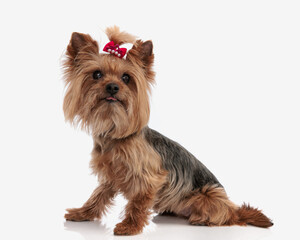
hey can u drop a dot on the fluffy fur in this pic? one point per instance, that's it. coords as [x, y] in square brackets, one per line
[150, 170]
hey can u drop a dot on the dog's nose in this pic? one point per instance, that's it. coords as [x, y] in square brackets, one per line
[112, 88]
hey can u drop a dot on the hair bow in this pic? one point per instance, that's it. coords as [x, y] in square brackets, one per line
[114, 49]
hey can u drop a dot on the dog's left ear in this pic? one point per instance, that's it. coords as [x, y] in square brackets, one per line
[142, 54]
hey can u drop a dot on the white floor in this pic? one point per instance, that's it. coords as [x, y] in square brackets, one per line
[167, 227]
[48, 223]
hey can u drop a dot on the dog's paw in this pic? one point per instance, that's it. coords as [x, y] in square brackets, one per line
[79, 215]
[127, 228]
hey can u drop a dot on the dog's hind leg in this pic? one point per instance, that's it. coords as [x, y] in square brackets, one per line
[95, 206]
[211, 207]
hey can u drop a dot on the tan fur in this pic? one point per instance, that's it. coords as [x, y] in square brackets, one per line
[253, 216]
[122, 158]
[82, 106]
[114, 34]
[96, 206]
[135, 169]
[212, 207]
[131, 165]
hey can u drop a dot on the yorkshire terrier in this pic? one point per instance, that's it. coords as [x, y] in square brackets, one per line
[107, 94]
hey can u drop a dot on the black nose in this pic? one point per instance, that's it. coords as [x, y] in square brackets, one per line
[112, 88]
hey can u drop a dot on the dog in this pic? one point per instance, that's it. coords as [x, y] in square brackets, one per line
[108, 96]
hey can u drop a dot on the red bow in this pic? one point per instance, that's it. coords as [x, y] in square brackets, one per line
[114, 49]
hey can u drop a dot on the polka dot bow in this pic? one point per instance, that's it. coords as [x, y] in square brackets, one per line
[114, 49]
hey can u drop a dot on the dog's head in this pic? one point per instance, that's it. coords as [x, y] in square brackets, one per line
[106, 94]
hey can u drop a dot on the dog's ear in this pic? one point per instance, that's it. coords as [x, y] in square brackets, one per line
[81, 43]
[142, 54]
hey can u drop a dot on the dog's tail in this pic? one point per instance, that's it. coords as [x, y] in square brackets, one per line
[252, 216]
[247, 215]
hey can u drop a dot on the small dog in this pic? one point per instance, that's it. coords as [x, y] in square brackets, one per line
[108, 96]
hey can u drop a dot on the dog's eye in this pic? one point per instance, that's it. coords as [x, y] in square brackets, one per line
[97, 75]
[126, 78]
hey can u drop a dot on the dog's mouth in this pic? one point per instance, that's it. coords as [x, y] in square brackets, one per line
[111, 99]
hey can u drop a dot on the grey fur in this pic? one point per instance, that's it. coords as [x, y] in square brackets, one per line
[186, 172]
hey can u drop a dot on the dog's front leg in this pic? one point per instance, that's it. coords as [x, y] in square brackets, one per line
[136, 215]
[95, 206]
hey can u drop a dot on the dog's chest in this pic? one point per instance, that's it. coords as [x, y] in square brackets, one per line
[131, 166]
[128, 177]
[124, 176]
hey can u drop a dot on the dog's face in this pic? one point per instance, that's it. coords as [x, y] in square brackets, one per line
[107, 95]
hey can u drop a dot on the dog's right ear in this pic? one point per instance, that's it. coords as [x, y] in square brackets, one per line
[81, 43]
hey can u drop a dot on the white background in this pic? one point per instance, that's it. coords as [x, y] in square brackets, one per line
[228, 85]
